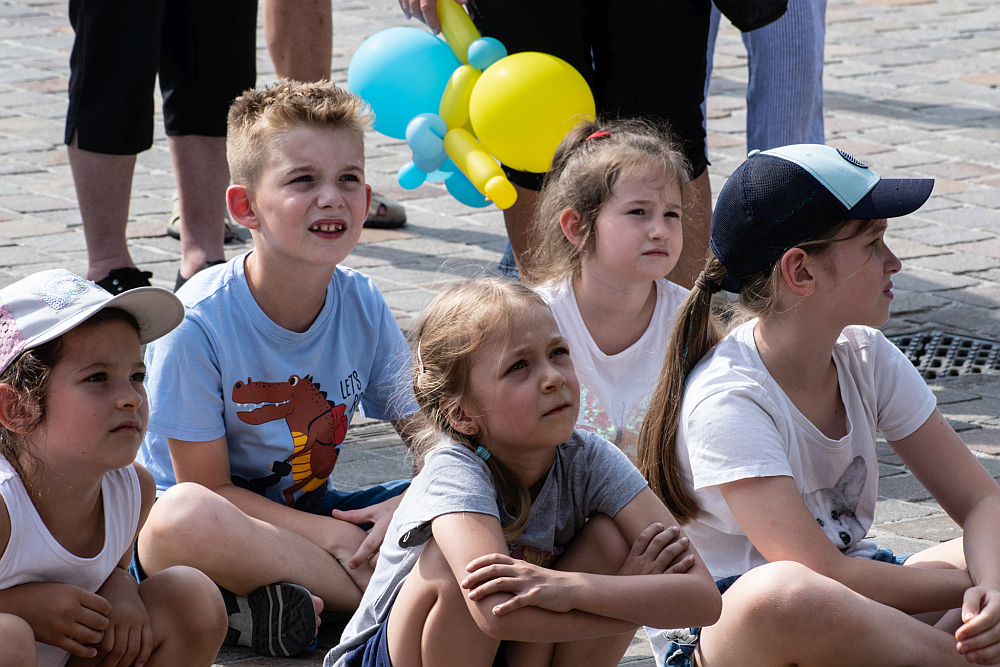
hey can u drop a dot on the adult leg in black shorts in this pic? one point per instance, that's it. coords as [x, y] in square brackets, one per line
[204, 53]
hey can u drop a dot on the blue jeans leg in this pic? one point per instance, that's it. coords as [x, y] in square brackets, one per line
[785, 90]
[507, 266]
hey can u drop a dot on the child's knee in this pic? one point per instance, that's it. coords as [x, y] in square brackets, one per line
[787, 598]
[183, 602]
[17, 646]
[600, 548]
[186, 517]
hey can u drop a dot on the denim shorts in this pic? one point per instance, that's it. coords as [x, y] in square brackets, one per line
[681, 647]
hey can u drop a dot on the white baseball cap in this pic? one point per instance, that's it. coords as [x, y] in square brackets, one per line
[47, 304]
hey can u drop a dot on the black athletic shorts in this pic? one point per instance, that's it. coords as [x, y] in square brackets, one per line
[641, 59]
[203, 50]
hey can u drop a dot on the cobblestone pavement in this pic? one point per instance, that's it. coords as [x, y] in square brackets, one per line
[911, 88]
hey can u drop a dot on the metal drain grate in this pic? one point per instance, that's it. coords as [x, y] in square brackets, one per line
[937, 354]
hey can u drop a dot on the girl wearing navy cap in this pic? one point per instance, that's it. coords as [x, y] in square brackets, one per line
[771, 454]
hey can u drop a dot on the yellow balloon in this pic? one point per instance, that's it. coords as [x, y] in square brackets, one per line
[457, 28]
[481, 169]
[454, 109]
[525, 104]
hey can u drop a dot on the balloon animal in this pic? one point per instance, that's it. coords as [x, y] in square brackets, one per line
[464, 105]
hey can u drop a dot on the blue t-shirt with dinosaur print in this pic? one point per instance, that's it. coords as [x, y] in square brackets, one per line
[282, 399]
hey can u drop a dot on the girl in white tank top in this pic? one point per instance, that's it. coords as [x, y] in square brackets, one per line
[72, 415]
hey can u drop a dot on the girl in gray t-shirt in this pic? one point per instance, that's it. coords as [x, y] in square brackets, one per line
[517, 528]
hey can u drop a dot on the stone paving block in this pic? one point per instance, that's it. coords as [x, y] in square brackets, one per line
[983, 440]
[902, 487]
[963, 215]
[889, 512]
[911, 302]
[980, 196]
[916, 279]
[959, 262]
[965, 148]
[985, 296]
[958, 170]
[942, 235]
[885, 454]
[898, 544]
[934, 528]
[991, 463]
[67, 241]
[906, 249]
[982, 410]
[945, 394]
[894, 136]
[25, 226]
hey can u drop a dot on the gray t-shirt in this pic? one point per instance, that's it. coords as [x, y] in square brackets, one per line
[589, 475]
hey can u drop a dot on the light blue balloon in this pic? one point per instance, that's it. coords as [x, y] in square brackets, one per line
[485, 51]
[443, 172]
[400, 73]
[429, 164]
[462, 189]
[425, 134]
[410, 177]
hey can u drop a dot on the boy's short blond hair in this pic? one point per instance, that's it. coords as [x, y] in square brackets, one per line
[259, 115]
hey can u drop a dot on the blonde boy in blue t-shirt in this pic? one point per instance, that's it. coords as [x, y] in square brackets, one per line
[251, 396]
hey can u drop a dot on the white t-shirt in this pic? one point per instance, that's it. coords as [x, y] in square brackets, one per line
[737, 423]
[615, 389]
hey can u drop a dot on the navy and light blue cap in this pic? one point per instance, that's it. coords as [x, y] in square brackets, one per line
[785, 196]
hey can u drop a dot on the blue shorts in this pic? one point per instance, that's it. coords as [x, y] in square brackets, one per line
[374, 652]
[333, 499]
[679, 651]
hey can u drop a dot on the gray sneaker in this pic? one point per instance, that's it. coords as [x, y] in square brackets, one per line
[276, 620]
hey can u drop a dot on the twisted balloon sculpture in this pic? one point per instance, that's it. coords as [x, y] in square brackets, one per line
[465, 104]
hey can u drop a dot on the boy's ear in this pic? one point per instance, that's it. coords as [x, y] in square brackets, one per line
[240, 204]
[368, 206]
[16, 414]
[797, 268]
[571, 223]
[457, 417]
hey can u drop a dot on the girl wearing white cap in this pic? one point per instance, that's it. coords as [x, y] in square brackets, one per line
[72, 415]
[771, 454]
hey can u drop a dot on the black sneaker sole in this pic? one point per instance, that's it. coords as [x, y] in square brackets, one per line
[277, 620]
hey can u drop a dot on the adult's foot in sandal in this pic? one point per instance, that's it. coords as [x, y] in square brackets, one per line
[385, 213]
[124, 279]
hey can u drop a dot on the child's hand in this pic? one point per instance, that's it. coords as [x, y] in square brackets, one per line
[979, 636]
[531, 585]
[379, 516]
[63, 615]
[658, 551]
[129, 638]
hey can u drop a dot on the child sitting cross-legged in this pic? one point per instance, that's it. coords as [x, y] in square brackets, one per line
[521, 541]
[253, 393]
[73, 411]
[762, 441]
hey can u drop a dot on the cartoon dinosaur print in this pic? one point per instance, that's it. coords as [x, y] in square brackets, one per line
[318, 427]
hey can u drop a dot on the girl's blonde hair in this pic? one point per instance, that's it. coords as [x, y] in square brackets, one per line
[696, 331]
[28, 376]
[446, 338]
[585, 169]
